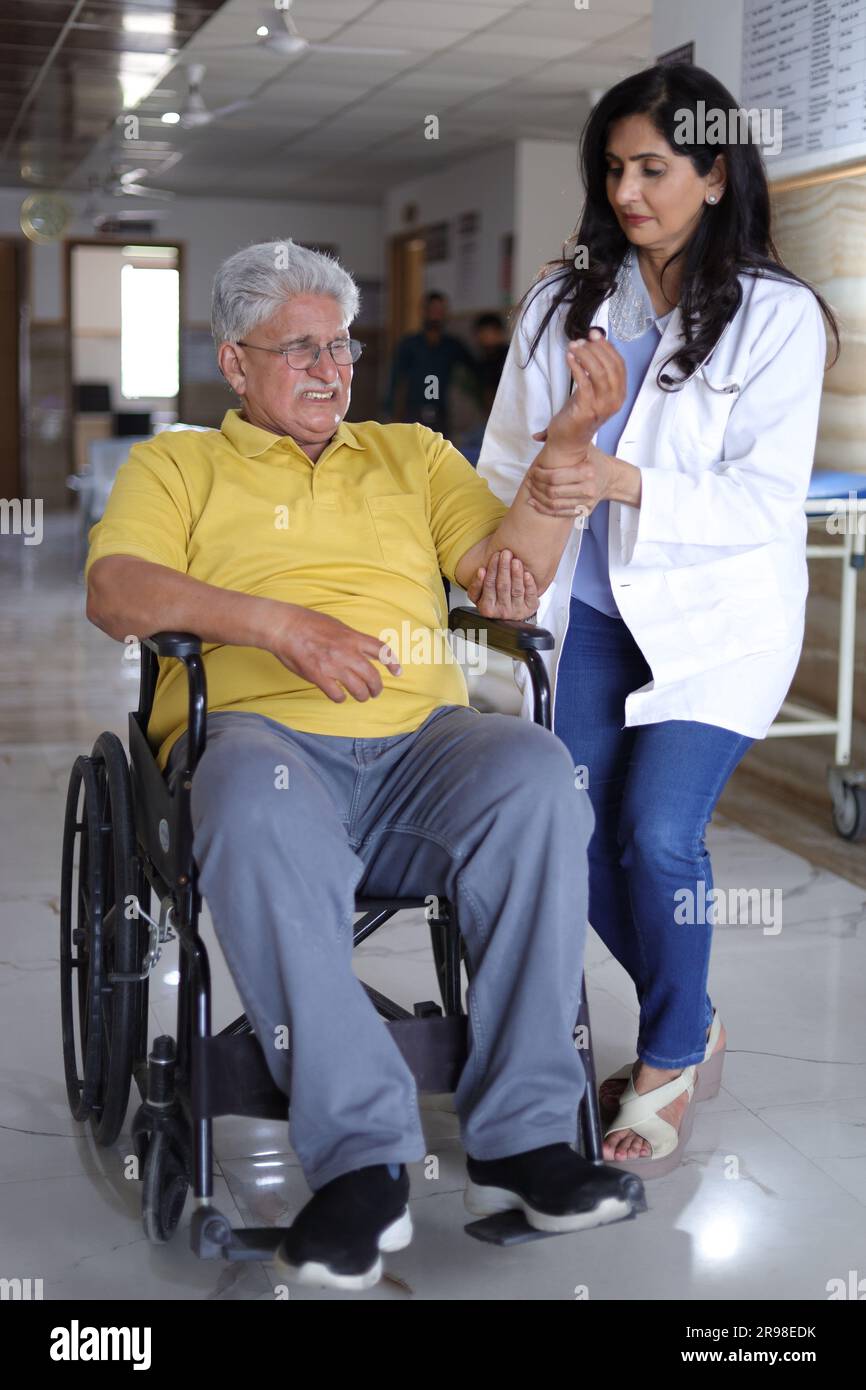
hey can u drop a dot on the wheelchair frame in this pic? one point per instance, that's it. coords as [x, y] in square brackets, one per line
[134, 836]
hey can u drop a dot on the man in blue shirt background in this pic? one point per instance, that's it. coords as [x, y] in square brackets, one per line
[431, 353]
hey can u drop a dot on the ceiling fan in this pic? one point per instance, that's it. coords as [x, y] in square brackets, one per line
[127, 183]
[195, 112]
[276, 32]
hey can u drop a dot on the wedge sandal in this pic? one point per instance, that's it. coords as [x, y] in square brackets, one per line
[640, 1113]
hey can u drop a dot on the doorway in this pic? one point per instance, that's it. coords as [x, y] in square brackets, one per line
[124, 308]
[408, 259]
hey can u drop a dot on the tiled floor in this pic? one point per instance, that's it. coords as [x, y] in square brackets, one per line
[771, 1202]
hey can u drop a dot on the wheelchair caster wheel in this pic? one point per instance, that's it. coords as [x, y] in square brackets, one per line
[99, 939]
[211, 1235]
[849, 810]
[166, 1183]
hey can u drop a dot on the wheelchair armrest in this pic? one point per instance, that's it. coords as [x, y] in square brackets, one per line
[505, 635]
[178, 644]
[185, 647]
[521, 641]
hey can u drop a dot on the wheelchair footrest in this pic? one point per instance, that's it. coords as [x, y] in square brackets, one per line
[212, 1237]
[255, 1243]
[505, 1228]
[512, 1227]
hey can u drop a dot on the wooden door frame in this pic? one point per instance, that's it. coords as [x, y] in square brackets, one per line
[395, 330]
[20, 246]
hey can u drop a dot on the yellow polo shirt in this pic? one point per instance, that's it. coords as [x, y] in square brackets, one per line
[362, 535]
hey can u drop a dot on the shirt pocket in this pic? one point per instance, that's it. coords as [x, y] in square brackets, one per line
[732, 607]
[405, 539]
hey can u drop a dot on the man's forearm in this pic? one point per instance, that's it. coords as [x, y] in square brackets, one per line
[535, 539]
[130, 597]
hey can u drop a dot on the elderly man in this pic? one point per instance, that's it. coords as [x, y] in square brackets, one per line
[289, 541]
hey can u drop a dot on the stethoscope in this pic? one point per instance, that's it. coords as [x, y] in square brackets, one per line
[731, 389]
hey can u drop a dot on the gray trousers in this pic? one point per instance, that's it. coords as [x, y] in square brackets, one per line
[480, 809]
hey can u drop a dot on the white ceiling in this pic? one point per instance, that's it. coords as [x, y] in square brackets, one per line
[341, 127]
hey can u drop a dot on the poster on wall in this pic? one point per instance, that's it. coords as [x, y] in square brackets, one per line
[506, 270]
[684, 53]
[806, 60]
[467, 250]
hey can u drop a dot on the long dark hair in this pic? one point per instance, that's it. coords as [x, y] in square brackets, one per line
[732, 237]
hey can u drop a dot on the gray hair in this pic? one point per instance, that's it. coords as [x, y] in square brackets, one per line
[254, 283]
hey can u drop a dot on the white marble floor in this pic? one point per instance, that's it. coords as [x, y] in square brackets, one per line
[771, 1202]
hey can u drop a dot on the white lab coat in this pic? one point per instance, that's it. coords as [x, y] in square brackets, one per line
[709, 572]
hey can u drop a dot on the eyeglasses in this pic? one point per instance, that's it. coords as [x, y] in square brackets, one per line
[306, 355]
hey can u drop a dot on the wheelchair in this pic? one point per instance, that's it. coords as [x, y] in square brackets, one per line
[128, 838]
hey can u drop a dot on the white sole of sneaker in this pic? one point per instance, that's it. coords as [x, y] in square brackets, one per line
[395, 1237]
[490, 1201]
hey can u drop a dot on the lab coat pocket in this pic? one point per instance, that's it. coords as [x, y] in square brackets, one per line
[698, 428]
[731, 606]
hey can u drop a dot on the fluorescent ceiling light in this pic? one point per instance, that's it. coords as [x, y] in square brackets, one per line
[148, 23]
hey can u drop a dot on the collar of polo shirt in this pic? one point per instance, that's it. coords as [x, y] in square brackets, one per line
[251, 441]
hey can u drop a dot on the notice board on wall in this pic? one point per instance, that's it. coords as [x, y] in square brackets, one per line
[807, 59]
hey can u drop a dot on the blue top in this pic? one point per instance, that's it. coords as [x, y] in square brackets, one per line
[591, 583]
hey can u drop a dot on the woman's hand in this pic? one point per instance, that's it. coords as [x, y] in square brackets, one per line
[574, 489]
[504, 588]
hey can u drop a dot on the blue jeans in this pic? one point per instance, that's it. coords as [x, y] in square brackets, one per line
[653, 788]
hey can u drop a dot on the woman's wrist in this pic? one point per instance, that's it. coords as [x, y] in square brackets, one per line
[625, 483]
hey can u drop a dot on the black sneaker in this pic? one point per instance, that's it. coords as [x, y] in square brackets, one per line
[335, 1241]
[554, 1187]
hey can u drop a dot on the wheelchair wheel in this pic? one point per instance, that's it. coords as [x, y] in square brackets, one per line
[81, 897]
[95, 898]
[166, 1183]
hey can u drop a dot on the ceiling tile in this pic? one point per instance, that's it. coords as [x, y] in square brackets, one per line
[414, 37]
[524, 45]
[445, 13]
[633, 8]
[583, 26]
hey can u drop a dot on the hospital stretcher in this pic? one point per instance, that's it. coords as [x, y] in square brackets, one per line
[839, 499]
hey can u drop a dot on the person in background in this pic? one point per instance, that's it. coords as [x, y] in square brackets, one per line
[422, 369]
[491, 343]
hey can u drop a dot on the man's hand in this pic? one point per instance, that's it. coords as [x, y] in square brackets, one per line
[328, 653]
[504, 588]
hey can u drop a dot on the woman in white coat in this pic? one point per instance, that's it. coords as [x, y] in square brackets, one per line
[678, 604]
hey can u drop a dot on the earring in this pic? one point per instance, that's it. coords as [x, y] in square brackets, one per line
[712, 198]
